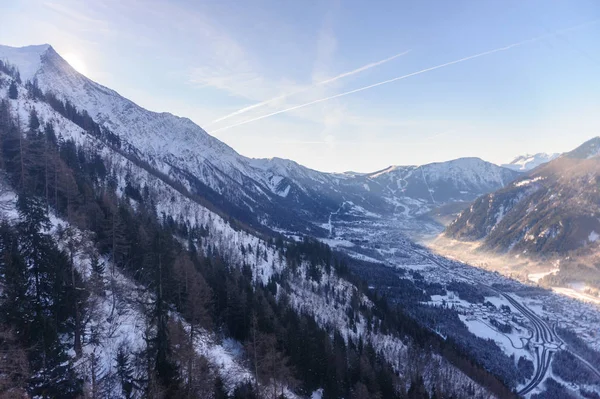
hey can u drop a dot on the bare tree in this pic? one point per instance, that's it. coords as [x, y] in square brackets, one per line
[270, 366]
[194, 296]
[196, 374]
[76, 245]
[99, 380]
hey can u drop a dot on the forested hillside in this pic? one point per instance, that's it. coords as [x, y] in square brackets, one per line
[551, 214]
[116, 282]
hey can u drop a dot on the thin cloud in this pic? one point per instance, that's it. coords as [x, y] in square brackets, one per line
[471, 57]
[428, 139]
[302, 142]
[73, 14]
[323, 82]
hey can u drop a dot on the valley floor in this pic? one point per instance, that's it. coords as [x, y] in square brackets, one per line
[519, 317]
[525, 270]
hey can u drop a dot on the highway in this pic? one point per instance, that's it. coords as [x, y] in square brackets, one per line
[544, 340]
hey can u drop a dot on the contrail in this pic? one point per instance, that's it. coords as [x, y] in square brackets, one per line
[496, 50]
[323, 82]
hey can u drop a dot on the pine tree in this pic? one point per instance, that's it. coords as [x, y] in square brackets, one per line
[115, 232]
[125, 373]
[52, 303]
[74, 246]
[417, 389]
[97, 267]
[34, 121]
[359, 391]
[14, 296]
[33, 156]
[14, 148]
[220, 392]
[49, 139]
[13, 92]
[158, 259]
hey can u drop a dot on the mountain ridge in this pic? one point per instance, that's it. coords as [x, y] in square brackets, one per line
[276, 192]
[553, 209]
[46, 50]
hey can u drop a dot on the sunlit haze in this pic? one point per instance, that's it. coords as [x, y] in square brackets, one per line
[76, 62]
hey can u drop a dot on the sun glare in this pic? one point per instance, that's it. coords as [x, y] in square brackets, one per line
[76, 62]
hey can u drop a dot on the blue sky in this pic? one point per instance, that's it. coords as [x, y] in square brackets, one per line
[207, 60]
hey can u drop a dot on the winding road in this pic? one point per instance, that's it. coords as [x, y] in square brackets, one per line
[544, 340]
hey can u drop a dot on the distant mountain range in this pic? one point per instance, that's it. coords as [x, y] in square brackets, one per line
[553, 209]
[525, 163]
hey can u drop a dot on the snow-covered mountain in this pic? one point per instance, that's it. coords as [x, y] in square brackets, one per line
[192, 181]
[274, 192]
[525, 163]
[461, 179]
[324, 297]
[552, 209]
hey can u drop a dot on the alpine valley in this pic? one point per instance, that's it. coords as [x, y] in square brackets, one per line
[143, 258]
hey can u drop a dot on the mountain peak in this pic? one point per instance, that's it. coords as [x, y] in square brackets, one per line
[467, 161]
[27, 59]
[527, 162]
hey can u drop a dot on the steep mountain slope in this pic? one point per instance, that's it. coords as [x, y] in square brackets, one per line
[527, 162]
[92, 182]
[273, 192]
[552, 210]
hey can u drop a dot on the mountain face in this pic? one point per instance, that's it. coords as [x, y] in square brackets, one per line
[142, 282]
[527, 162]
[150, 285]
[462, 179]
[273, 192]
[553, 209]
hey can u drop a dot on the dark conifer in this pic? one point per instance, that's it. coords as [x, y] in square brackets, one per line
[13, 92]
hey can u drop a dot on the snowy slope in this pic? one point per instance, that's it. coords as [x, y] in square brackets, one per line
[228, 241]
[525, 163]
[117, 317]
[552, 209]
[26, 59]
[442, 182]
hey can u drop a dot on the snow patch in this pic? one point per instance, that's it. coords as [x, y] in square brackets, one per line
[528, 181]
